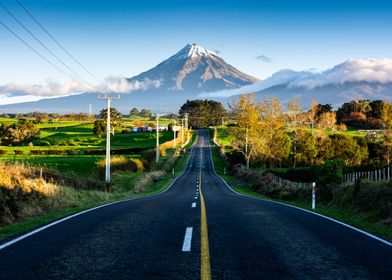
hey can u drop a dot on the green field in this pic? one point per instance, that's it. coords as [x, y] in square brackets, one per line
[78, 135]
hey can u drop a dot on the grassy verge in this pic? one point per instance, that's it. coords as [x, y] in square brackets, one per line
[344, 214]
[95, 198]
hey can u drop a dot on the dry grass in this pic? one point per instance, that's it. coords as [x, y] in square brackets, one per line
[18, 176]
[142, 183]
[121, 163]
[24, 195]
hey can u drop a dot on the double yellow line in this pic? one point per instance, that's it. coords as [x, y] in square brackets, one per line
[205, 270]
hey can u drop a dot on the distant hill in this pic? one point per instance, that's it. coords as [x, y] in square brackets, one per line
[352, 79]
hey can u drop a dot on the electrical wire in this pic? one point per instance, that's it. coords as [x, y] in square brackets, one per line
[31, 48]
[51, 36]
[78, 77]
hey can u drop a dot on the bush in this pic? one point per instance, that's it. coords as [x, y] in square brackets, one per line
[18, 152]
[72, 152]
[149, 156]
[372, 198]
[120, 163]
[341, 127]
[46, 152]
[53, 152]
[3, 152]
[94, 152]
[331, 172]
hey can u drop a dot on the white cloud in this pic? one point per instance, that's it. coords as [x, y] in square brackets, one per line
[121, 85]
[53, 88]
[50, 88]
[353, 70]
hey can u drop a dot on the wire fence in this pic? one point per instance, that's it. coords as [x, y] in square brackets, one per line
[382, 174]
[290, 184]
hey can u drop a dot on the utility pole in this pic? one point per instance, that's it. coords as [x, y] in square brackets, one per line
[182, 130]
[174, 136]
[186, 121]
[246, 149]
[157, 129]
[223, 121]
[90, 110]
[107, 159]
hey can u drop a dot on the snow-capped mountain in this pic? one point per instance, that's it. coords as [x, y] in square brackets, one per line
[194, 72]
[195, 69]
[163, 88]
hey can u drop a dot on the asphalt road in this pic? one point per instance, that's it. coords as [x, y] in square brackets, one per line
[163, 237]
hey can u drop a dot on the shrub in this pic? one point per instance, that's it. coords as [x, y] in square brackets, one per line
[3, 152]
[331, 172]
[94, 152]
[72, 152]
[52, 152]
[18, 152]
[140, 163]
[372, 198]
[46, 152]
[149, 156]
[341, 127]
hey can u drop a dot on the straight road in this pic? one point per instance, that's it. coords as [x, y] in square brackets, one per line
[198, 228]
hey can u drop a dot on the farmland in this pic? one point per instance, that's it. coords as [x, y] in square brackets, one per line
[71, 166]
[67, 145]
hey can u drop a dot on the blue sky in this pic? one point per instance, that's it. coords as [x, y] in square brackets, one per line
[127, 37]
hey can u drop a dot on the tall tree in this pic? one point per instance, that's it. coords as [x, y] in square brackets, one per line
[134, 112]
[273, 132]
[386, 117]
[246, 135]
[145, 113]
[293, 110]
[327, 120]
[304, 147]
[115, 118]
[99, 128]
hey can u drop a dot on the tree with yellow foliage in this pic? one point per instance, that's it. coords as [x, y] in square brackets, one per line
[246, 138]
[386, 117]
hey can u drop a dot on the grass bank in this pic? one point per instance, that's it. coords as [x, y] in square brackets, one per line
[345, 213]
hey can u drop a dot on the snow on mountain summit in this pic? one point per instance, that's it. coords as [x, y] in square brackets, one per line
[192, 50]
[195, 69]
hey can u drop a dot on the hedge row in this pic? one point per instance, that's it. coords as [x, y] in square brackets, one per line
[84, 152]
[330, 172]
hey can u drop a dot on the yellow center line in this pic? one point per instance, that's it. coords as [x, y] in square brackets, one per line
[205, 270]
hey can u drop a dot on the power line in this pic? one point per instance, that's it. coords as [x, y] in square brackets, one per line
[50, 35]
[31, 48]
[78, 77]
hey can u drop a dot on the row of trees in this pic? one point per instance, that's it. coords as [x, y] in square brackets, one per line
[266, 134]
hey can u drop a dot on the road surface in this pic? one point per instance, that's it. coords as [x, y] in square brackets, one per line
[198, 228]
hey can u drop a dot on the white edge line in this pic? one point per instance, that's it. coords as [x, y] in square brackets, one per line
[13, 241]
[186, 245]
[305, 210]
